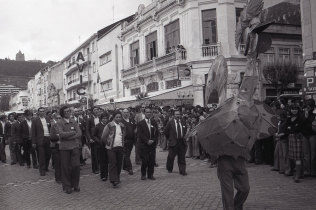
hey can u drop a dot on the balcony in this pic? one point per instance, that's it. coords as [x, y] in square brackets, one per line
[210, 50]
[76, 82]
[73, 65]
[173, 58]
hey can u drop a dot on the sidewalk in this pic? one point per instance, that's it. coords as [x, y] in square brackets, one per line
[22, 188]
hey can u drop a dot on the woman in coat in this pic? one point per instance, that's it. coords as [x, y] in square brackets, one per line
[113, 137]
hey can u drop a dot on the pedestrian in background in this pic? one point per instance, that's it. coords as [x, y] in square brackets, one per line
[40, 131]
[16, 138]
[101, 150]
[7, 131]
[55, 141]
[113, 136]
[69, 134]
[3, 157]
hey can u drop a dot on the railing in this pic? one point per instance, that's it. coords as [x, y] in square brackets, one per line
[242, 48]
[153, 65]
[210, 50]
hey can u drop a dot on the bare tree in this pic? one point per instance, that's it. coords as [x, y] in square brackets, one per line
[280, 75]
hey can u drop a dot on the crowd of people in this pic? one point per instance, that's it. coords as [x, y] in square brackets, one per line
[64, 135]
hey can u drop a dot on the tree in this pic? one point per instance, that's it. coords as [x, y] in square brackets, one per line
[4, 103]
[280, 75]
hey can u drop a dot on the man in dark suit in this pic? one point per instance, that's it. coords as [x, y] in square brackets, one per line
[130, 139]
[40, 132]
[27, 140]
[90, 126]
[3, 156]
[175, 131]
[147, 132]
[16, 138]
[139, 117]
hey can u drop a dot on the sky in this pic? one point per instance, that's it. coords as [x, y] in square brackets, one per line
[50, 29]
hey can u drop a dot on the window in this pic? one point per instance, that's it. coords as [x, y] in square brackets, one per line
[92, 46]
[284, 55]
[74, 95]
[209, 26]
[93, 67]
[135, 91]
[238, 12]
[105, 58]
[269, 56]
[151, 87]
[173, 83]
[88, 51]
[107, 85]
[298, 57]
[73, 60]
[94, 87]
[172, 35]
[151, 46]
[134, 53]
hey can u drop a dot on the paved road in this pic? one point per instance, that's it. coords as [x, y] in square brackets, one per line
[22, 188]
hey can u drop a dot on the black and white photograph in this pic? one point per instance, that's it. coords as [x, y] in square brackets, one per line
[158, 104]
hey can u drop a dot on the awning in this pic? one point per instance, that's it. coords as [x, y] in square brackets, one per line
[169, 97]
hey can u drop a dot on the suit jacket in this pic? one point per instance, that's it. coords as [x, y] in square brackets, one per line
[25, 132]
[109, 132]
[37, 131]
[7, 130]
[171, 132]
[90, 126]
[144, 135]
[130, 131]
[2, 133]
[97, 133]
[138, 117]
[16, 132]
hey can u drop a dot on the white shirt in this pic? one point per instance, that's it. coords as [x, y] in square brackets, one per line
[3, 123]
[118, 136]
[96, 120]
[149, 126]
[180, 134]
[44, 123]
[29, 123]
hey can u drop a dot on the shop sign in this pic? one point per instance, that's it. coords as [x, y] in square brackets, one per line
[184, 73]
[310, 85]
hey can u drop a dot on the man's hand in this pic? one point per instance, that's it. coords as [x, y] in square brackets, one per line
[150, 142]
[34, 146]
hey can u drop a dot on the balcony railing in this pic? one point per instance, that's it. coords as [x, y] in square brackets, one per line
[172, 58]
[72, 66]
[76, 82]
[210, 50]
[242, 48]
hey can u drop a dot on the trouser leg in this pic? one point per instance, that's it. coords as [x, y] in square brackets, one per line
[307, 155]
[18, 152]
[103, 159]
[181, 158]
[313, 155]
[144, 155]
[34, 154]
[119, 161]
[26, 154]
[276, 154]
[225, 176]
[57, 163]
[282, 156]
[47, 152]
[94, 159]
[137, 153]
[65, 160]
[172, 152]
[3, 156]
[241, 183]
[75, 167]
[12, 146]
[151, 163]
[112, 165]
[127, 164]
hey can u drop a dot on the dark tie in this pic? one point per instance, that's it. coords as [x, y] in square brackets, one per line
[179, 130]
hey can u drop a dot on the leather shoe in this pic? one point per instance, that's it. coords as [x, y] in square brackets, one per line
[152, 178]
[68, 191]
[77, 189]
[130, 172]
[35, 166]
[143, 178]
[42, 173]
[169, 171]
[104, 179]
[184, 173]
[156, 165]
[115, 184]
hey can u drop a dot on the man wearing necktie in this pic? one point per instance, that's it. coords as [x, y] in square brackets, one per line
[175, 131]
[147, 132]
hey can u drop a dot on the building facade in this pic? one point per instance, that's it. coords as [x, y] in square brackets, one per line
[55, 93]
[20, 101]
[172, 44]
[107, 84]
[308, 18]
[78, 68]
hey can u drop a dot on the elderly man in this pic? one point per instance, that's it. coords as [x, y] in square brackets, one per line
[130, 139]
[69, 134]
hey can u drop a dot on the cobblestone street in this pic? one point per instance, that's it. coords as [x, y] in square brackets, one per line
[22, 188]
